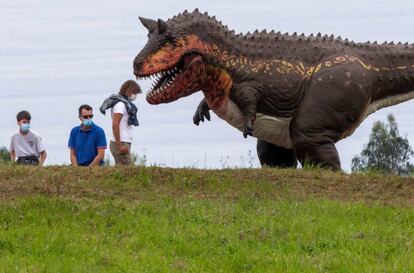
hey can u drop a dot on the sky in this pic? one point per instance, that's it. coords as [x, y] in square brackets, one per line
[57, 55]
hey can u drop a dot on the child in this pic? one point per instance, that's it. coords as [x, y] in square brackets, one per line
[26, 145]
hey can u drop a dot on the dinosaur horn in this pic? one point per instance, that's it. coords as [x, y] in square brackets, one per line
[148, 23]
[162, 26]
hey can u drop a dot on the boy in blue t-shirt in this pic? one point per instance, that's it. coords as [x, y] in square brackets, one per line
[87, 142]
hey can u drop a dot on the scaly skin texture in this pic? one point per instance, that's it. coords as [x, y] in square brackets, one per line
[311, 91]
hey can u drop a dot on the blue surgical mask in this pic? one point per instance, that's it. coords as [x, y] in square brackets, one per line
[87, 122]
[25, 127]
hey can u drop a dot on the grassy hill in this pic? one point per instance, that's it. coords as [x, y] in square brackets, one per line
[148, 219]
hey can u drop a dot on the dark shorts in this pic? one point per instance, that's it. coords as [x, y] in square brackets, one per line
[28, 160]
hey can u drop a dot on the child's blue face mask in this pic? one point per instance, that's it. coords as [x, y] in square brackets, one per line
[87, 122]
[25, 127]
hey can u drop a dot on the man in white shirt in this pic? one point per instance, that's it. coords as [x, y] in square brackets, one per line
[122, 129]
[26, 147]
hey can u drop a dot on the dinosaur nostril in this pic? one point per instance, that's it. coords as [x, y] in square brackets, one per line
[138, 64]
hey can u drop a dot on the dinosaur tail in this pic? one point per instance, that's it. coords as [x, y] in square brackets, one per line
[394, 67]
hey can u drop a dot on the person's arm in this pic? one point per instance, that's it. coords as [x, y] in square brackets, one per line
[98, 158]
[13, 156]
[116, 120]
[72, 145]
[42, 158]
[12, 152]
[73, 159]
[40, 147]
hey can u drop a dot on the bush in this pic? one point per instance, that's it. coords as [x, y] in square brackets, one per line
[386, 152]
[4, 155]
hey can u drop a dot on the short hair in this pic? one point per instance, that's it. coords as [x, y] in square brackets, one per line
[86, 107]
[128, 85]
[23, 115]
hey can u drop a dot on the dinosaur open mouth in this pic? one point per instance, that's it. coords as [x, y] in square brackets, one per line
[172, 83]
[164, 79]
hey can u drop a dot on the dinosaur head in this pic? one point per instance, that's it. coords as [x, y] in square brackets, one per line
[174, 59]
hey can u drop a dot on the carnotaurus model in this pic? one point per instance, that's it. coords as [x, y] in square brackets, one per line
[297, 94]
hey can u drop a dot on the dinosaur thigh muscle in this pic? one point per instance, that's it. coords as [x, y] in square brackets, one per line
[274, 130]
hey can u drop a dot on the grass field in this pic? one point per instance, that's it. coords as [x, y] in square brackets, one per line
[60, 219]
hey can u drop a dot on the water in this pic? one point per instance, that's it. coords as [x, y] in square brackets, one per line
[56, 55]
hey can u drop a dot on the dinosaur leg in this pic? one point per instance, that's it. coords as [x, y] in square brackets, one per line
[274, 156]
[333, 105]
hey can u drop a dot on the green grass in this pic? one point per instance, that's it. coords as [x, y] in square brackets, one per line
[61, 219]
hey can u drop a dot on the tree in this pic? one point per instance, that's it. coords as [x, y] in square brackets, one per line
[4, 155]
[386, 151]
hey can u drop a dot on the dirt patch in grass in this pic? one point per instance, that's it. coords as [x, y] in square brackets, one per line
[145, 183]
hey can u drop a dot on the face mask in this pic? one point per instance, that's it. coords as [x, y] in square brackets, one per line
[133, 97]
[25, 127]
[87, 122]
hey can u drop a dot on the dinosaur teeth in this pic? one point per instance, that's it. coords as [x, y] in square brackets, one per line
[162, 80]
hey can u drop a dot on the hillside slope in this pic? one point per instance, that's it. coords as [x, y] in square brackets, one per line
[62, 219]
[137, 182]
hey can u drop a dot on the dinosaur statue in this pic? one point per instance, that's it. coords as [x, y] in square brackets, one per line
[298, 95]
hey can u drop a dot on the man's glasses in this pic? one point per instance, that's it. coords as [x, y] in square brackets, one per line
[87, 116]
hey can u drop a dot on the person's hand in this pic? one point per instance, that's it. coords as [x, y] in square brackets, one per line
[123, 149]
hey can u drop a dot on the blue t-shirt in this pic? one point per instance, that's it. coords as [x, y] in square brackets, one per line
[87, 143]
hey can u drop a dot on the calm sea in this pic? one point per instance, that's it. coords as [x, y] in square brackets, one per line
[56, 55]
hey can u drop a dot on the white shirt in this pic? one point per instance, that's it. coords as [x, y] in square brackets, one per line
[26, 145]
[125, 130]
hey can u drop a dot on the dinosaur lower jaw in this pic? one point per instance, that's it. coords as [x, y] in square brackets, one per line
[182, 80]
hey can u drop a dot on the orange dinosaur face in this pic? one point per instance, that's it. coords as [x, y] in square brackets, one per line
[175, 63]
